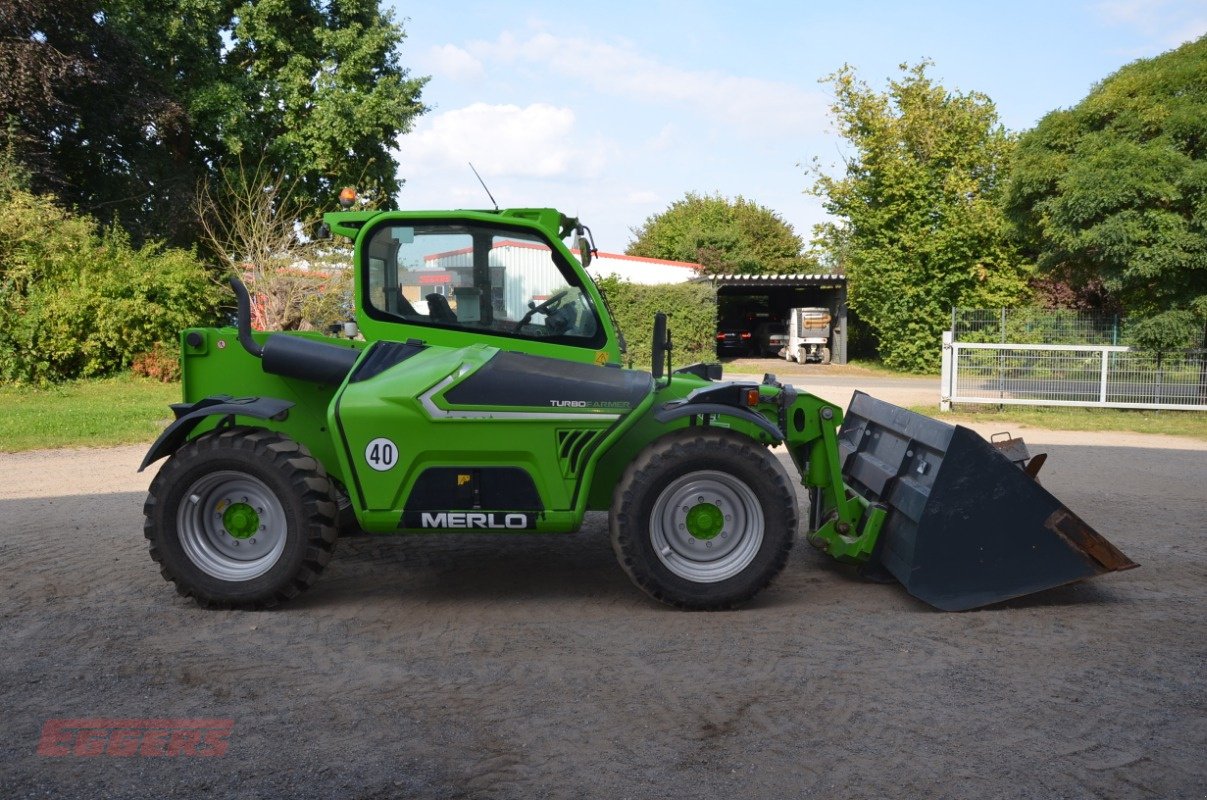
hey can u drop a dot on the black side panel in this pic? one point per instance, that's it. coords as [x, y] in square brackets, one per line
[189, 416]
[382, 356]
[468, 488]
[708, 372]
[518, 379]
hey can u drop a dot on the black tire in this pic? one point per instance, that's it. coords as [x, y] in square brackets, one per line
[670, 564]
[281, 494]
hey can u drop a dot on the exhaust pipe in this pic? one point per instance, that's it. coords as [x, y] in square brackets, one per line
[292, 356]
[243, 318]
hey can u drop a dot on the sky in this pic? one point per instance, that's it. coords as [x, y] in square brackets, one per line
[612, 111]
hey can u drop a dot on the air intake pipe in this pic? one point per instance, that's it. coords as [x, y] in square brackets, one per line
[292, 356]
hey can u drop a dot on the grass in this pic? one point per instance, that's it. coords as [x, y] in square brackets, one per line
[87, 413]
[878, 367]
[1172, 423]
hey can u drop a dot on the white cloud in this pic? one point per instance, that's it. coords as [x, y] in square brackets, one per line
[1189, 31]
[1164, 24]
[665, 139]
[752, 105]
[1131, 12]
[504, 140]
[450, 61]
[641, 198]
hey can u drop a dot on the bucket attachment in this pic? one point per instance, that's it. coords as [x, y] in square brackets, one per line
[966, 526]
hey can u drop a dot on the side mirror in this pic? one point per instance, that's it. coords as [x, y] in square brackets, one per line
[658, 362]
[582, 245]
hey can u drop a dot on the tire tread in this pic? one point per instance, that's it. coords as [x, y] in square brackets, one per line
[673, 449]
[306, 478]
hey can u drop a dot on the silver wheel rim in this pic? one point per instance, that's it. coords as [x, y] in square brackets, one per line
[206, 539]
[721, 556]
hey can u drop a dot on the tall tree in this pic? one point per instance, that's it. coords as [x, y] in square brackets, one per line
[136, 101]
[720, 235]
[74, 98]
[1113, 193]
[919, 223]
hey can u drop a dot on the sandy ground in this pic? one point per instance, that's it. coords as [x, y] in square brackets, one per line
[528, 667]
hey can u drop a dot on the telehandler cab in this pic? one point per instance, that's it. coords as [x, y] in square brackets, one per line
[488, 395]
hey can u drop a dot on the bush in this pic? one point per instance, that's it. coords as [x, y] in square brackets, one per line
[690, 308]
[78, 301]
[160, 363]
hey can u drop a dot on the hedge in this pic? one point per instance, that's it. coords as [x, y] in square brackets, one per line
[690, 308]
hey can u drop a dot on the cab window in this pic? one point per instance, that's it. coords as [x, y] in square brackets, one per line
[476, 278]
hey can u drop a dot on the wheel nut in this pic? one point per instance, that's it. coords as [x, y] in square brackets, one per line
[251, 541]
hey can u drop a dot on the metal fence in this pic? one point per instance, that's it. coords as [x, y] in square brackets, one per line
[1107, 376]
[1037, 326]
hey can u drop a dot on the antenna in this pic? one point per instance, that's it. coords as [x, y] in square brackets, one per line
[488, 194]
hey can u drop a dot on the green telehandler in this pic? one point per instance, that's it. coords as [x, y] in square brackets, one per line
[486, 393]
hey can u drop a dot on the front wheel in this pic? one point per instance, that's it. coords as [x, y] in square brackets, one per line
[703, 520]
[243, 517]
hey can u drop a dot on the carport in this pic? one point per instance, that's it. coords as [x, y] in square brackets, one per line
[745, 294]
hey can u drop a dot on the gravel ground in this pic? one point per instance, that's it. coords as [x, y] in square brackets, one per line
[528, 667]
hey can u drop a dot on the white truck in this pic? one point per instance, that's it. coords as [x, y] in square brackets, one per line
[808, 335]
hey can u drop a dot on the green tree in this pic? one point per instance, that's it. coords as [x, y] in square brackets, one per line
[720, 235]
[919, 225]
[124, 106]
[1113, 193]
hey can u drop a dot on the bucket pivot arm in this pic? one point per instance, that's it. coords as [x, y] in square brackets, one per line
[842, 523]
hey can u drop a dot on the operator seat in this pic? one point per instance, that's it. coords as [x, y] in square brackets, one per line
[439, 309]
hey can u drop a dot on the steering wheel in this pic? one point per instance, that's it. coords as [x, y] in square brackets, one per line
[541, 309]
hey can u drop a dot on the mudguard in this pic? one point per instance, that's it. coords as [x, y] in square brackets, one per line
[688, 409]
[189, 415]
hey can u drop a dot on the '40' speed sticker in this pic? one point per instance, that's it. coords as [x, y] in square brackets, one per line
[381, 454]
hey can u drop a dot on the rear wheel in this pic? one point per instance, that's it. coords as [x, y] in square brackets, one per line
[243, 517]
[703, 520]
[825, 355]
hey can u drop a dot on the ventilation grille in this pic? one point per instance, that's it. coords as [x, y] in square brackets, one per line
[572, 449]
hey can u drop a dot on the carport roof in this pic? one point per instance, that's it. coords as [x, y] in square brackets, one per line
[796, 279]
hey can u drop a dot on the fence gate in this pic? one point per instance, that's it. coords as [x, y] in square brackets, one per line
[1107, 376]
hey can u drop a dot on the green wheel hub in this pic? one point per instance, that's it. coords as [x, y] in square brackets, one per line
[241, 520]
[705, 521]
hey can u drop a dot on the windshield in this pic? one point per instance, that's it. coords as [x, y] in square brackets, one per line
[475, 276]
